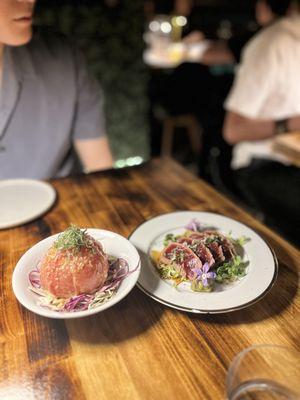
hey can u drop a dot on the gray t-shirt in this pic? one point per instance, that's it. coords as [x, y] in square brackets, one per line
[47, 100]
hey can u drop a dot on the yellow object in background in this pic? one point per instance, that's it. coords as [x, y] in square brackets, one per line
[175, 52]
[178, 22]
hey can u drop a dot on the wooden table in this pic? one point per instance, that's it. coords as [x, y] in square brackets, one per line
[139, 349]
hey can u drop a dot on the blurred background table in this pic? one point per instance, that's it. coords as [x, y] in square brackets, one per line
[288, 144]
[139, 349]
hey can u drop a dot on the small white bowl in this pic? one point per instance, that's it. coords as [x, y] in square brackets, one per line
[114, 244]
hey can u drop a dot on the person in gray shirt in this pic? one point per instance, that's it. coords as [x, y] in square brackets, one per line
[49, 104]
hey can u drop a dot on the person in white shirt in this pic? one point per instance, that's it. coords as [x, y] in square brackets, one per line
[264, 101]
[267, 86]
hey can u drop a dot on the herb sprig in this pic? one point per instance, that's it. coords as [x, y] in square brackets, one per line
[73, 238]
[240, 241]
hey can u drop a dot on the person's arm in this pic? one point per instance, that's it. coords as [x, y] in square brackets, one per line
[89, 130]
[94, 154]
[238, 128]
[218, 53]
[208, 52]
[193, 37]
[252, 88]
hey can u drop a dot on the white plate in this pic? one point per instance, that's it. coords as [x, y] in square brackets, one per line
[22, 200]
[261, 271]
[114, 244]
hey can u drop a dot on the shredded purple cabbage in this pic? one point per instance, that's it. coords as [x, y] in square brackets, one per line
[118, 271]
[34, 278]
[78, 303]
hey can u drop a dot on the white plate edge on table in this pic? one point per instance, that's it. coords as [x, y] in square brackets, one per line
[113, 243]
[151, 284]
[36, 209]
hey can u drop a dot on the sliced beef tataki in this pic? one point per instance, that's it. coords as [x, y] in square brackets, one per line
[182, 256]
[199, 249]
[220, 246]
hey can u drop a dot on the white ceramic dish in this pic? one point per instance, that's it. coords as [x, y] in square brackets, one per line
[114, 244]
[261, 272]
[23, 200]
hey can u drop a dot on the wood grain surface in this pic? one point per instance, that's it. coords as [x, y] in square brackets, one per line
[138, 349]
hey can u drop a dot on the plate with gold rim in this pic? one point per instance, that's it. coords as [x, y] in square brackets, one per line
[261, 274]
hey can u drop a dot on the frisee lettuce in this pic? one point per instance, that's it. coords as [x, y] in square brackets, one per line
[171, 272]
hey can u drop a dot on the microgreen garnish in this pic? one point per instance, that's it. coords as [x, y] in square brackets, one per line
[73, 238]
[210, 240]
[240, 241]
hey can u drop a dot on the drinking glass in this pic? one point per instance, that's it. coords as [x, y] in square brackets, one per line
[264, 372]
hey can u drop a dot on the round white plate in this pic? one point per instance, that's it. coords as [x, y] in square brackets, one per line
[261, 271]
[113, 244]
[22, 200]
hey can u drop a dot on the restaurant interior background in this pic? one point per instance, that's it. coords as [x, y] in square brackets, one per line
[111, 34]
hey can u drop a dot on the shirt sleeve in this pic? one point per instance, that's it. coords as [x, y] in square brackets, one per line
[89, 120]
[254, 80]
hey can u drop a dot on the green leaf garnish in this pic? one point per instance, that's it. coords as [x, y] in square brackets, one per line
[169, 238]
[210, 240]
[241, 241]
[232, 270]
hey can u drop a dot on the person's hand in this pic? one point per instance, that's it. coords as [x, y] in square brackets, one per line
[94, 154]
[193, 37]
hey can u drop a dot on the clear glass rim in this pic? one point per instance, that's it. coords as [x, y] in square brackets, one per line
[235, 363]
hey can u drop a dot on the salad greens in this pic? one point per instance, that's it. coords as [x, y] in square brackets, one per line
[171, 272]
[241, 241]
[232, 270]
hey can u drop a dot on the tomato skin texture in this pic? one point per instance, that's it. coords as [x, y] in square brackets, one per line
[70, 272]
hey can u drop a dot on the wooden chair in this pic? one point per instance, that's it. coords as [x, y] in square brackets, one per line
[192, 128]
